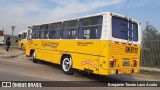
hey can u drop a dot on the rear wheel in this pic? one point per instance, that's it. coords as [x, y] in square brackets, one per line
[67, 65]
[34, 57]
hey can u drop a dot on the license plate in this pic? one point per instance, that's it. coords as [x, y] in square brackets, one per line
[126, 63]
[124, 71]
[131, 49]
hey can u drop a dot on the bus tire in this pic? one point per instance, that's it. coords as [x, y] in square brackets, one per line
[34, 57]
[67, 65]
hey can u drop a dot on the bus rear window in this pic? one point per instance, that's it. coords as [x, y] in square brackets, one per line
[1, 33]
[120, 28]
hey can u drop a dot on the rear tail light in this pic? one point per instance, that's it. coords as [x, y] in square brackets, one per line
[135, 62]
[112, 63]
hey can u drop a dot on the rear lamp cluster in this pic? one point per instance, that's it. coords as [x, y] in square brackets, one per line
[135, 62]
[112, 63]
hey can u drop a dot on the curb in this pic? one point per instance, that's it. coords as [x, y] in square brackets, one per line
[150, 69]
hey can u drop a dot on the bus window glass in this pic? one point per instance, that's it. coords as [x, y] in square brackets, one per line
[120, 28]
[135, 32]
[35, 34]
[70, 29]
[28, 36]
[55, 30]
[43, 35]
[24, 35]
[90, 28]
[52, 34]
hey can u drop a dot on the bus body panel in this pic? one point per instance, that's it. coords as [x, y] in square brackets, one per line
[123, 56]
[85, 53]
[22, 42]
[22, 39]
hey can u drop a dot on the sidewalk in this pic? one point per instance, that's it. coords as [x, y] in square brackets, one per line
[13, 53]
[150, 69]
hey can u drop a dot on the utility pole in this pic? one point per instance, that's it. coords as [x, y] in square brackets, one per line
[13, 28]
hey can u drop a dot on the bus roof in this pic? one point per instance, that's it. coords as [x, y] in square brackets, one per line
[104, 13]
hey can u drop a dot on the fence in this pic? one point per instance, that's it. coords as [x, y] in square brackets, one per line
[150, 53]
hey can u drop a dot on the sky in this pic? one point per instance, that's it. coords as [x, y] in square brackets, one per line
[24, 13]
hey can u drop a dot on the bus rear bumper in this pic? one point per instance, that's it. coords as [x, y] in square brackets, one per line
[118, 71]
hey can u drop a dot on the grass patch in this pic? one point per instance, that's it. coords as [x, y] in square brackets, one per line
[153, 73]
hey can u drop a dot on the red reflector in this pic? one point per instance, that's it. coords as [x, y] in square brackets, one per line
[129, 44]
[117, 42]
[123, 43]
[135, 45]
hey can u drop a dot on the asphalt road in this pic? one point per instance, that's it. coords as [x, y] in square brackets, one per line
[21, 68]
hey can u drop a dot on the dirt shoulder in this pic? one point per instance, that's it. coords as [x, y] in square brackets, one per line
[155, 74]
[14, 52]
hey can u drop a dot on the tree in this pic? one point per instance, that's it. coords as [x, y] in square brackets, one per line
[150, 32]
[150, 46]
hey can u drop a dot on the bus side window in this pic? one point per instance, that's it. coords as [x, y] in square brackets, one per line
[52, 34]
[43, 35]
[55, 30]
[34, 36]
[35, 33]
[70, 29]
[90, 28]
[28, 35]
[43, 31]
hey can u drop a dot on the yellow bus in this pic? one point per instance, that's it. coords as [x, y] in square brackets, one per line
[22, 39]
[104, 44]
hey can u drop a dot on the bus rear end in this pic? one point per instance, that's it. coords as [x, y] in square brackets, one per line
[1, 37]
[124, 47]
